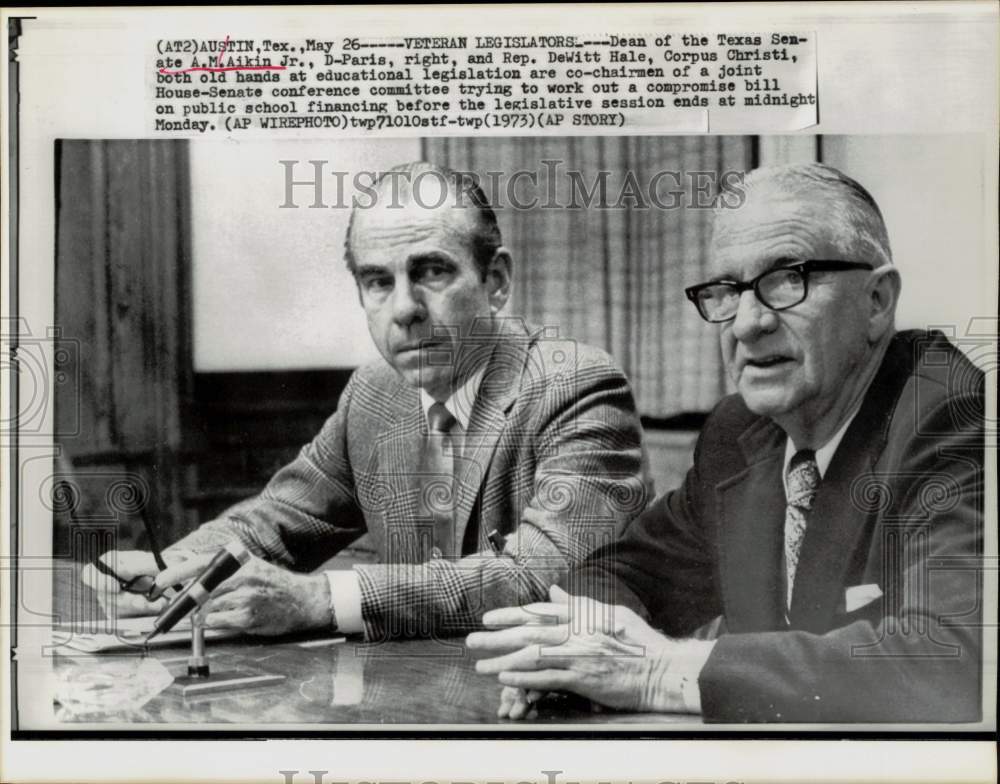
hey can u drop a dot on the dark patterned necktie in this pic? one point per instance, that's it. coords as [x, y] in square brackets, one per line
[801, 482]
[438, 485]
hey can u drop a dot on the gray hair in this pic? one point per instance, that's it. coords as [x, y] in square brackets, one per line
[853, 215]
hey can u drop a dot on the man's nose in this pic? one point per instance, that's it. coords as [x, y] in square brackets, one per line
[407, 304]
[753, 317]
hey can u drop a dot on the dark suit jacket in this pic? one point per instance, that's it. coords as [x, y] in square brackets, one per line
[900, 507]
[552, 461]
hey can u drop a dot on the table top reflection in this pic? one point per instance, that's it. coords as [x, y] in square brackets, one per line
[335, 681]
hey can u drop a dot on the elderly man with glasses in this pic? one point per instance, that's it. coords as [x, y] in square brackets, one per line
[822, 561]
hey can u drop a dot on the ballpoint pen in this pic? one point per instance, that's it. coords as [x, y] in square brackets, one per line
[496, 541]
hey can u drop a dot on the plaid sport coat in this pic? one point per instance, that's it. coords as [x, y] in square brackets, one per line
[552, 461]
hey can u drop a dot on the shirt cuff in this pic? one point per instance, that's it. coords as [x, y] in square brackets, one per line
[182, 554]
[345, 596]
[684, 669]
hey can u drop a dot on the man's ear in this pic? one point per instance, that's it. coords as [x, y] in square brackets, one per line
[498, 275]
[883, 296]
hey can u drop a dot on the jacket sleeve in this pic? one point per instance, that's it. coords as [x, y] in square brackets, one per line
[662, 567]
[918, 657]
[307, 512]
[589, 480]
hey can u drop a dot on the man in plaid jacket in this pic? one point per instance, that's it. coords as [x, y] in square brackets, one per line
[546, 445]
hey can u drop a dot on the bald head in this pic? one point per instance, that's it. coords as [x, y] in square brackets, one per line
[840, 211]
[425, 186]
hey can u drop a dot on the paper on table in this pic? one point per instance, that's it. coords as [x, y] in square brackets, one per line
[129, 635]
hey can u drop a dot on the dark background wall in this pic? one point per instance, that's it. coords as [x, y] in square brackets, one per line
[122, 306]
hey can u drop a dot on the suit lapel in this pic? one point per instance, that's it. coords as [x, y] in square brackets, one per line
[835, 524]
[399, 449]
[487, 423]
[751, 520]
[496, 395]
[752, 512]
[839, 518]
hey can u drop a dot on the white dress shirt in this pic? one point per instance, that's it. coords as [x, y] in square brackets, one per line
[823, 455]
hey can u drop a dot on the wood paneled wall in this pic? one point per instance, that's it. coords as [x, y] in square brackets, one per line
[122, 303]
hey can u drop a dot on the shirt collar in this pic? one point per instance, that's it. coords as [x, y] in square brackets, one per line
[459, 405]
[825, 453]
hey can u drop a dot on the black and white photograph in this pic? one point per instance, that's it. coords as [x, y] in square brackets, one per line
[673, 430]
[532, 452]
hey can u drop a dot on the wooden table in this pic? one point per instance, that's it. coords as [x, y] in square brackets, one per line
[413, 682]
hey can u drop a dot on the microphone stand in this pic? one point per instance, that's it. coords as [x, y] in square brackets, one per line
[198, 662]
[201, 680]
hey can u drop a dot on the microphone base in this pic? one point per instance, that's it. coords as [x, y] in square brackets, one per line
[198, 669]
[196, 686]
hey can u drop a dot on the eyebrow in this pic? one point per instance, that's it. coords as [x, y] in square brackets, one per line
[429, 257]
[412, 263]
[369, 269]
[781, 261]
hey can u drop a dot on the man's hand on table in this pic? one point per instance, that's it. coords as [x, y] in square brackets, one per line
[126, 564]
[260, 598]
[517, 703]
[621, 662]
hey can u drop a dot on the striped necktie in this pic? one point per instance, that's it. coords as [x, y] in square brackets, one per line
[801, 482]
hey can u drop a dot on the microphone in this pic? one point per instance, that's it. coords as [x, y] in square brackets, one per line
[223, 566]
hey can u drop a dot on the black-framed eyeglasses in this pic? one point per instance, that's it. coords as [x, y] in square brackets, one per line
[142, 584]
[779, 288]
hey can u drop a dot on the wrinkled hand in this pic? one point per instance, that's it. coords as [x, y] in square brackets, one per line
[614, 620]
[265, 599]
[180, 571]
[619, 662]
[517, 703]
[127, 564]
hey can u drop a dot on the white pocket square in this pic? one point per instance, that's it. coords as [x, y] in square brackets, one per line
[857, 596]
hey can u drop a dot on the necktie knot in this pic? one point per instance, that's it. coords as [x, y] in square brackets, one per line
[439, 419]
